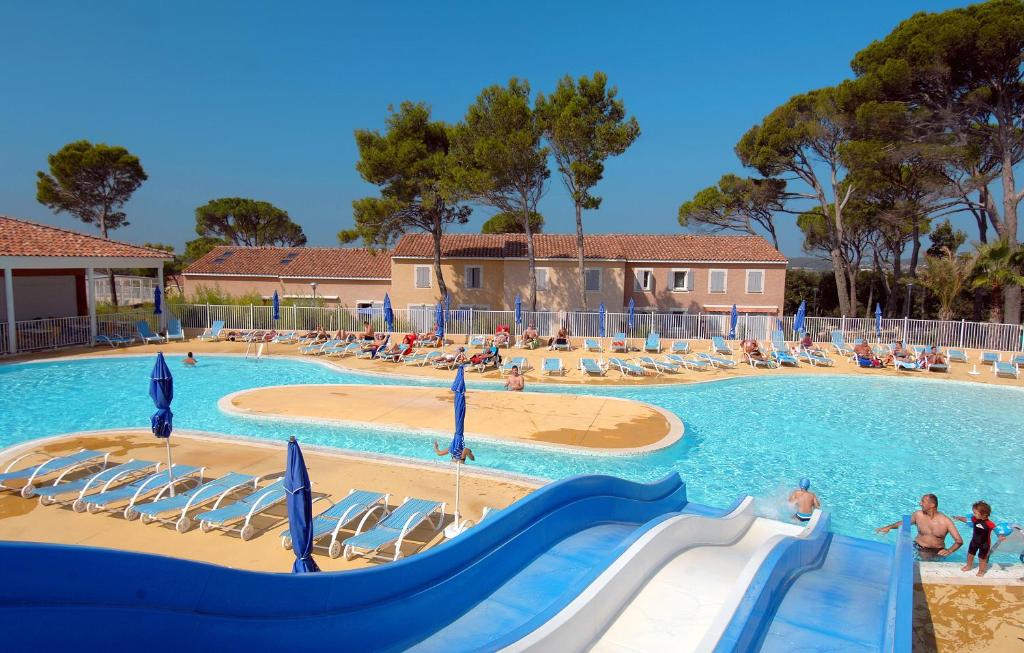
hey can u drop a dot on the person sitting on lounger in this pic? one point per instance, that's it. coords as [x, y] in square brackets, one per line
[933, 357]
[561, 340]
[453, 359]
[807, 344]
[866, 357]
[368, 333]
[531, 337]
[501, 337]
[753, 349]
[344, 336]
[899, 352]
[317, 334]
[515, 381]
[467, 453]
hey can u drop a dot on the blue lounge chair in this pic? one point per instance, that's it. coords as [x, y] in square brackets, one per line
[318, 348]
[477, 340]
[174, 330]
[256, 335]
[720, 346]
[359, 504]
[658, 366]
[956, 355]
[591, 344]
[80, 487]
[285, 338]
[213, 333]
[591, 367]
[179, 505]
[515, 361]
[138, 489]
[114, 341]
[815, 358]
[422, 358]
[688, 363]
[255, 503]
[907, 365]
[146, 333]
[989, 358]
[561, 344]
[1005, 368]
[342, 350]
[780, 352]
[680, 347]
[762, 360]
[1018, 360]
[626, 368]
[717, 361]
[393, 529]
[653, 342]
[396, 355]
[840, 344]
[63, 464]
[619, 342]
[553, 366]
[374, 351]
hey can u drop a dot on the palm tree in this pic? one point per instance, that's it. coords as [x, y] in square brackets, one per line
[998, 265]
[946, 276]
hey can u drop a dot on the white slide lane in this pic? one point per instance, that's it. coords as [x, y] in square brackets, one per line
[674, 589]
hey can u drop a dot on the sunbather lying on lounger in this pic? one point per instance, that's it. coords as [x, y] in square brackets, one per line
[807, 344]
[899, 353]
[753, 349]
[933, 357]
[866, 357]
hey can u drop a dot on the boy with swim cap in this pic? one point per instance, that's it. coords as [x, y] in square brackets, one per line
[804, 500]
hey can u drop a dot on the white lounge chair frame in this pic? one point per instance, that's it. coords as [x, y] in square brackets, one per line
[29, 489]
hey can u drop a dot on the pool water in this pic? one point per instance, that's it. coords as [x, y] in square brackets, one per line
[871, 446]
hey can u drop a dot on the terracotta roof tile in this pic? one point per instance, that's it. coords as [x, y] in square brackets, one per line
[23, 238]
[627, 247]
[305, 262]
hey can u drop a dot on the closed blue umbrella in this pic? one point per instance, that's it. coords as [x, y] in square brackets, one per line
[801, 317]
[276, 304]
[519, 310]
[733, 319]
[156, 302]
[878, 321]
[632, 310]
[600, 320]
[459, 384]
[458, 446]
[300, 509]
[161, 391]
[389, 314]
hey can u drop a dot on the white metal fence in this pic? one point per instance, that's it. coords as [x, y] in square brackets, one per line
[973, 335]
[54, 333]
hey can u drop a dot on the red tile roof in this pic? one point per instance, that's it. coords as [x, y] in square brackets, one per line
[24, 238]
[627, 247]
[304, 262]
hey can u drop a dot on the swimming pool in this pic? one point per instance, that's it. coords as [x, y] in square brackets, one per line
[871, 445]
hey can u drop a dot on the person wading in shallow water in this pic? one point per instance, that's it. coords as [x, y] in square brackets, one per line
[932, 529]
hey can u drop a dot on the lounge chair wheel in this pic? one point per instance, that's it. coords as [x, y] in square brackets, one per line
[45, 501]
[206, 527]
[286, 542]
[129, 513]
[146, 519]
[348, 553]
[183, 525]
[335, 549]
[247, 532]
[28, 491]
[78, 505]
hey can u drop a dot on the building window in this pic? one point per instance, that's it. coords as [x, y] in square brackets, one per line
[680, 311]
[643, 280]
[542, 278]
[592, 279]
[717, 281]
[474, 276]
[755, 281]
[682, 280]
[422, 276]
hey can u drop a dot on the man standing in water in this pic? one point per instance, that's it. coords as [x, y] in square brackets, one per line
[804, 500]
[932, 529]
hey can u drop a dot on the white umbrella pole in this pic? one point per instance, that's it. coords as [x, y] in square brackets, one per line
[458, 474]
[170, 466]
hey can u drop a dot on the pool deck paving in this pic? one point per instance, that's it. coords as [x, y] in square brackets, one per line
[599, 424]
[331, 474]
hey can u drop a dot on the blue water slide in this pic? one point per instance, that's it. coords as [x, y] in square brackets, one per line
[513, 572]
[828, 593]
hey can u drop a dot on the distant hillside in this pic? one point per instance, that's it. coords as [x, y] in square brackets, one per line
[809, 263]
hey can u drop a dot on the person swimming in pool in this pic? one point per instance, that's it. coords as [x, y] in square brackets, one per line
[932, 529]
[190, 360]
[804, 500]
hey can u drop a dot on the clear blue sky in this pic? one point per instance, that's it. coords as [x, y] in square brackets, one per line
[260, 99]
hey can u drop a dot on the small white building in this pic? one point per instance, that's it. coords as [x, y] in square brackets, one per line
[48, 280]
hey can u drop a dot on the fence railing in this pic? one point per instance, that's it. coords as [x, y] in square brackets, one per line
[70, 331]
[973, 335]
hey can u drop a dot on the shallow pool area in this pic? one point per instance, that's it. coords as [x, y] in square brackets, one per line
[871, 446]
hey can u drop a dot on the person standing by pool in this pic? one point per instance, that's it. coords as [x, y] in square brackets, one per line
[190, 360]
[981, 539]
[515, 381]
[804, 500]
[932, 529]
